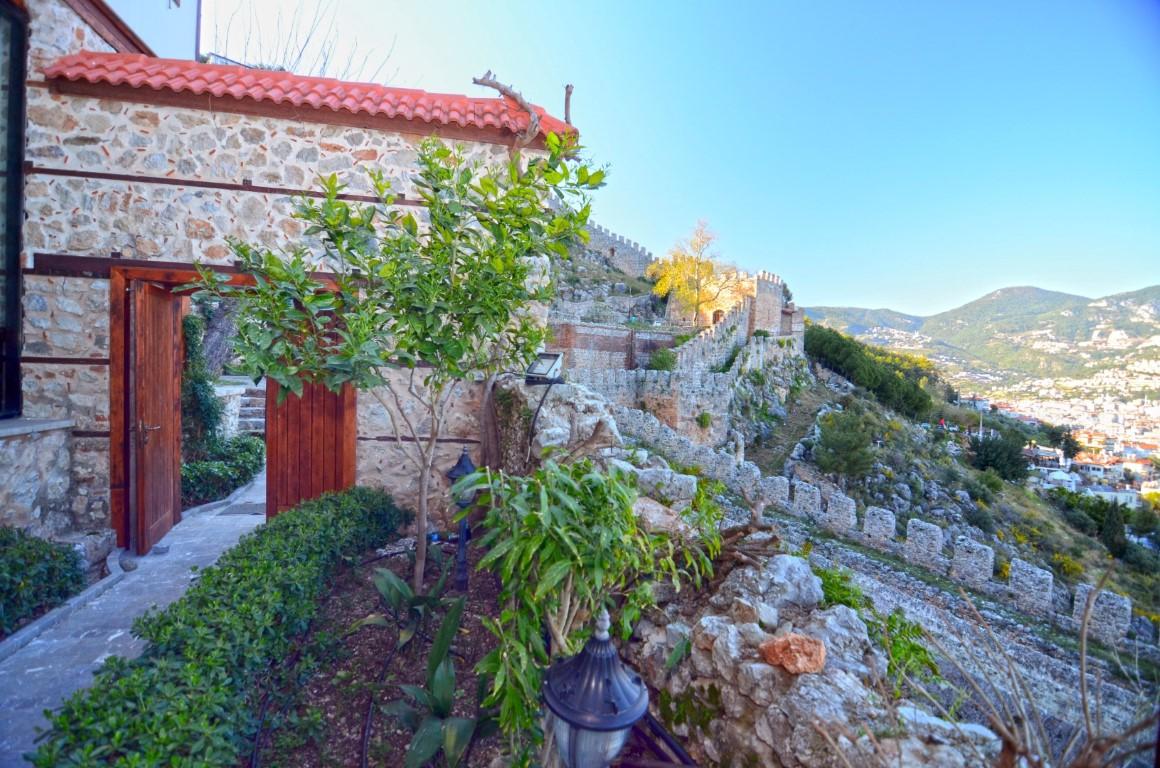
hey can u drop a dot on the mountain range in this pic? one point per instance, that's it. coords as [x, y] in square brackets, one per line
[1018, 334]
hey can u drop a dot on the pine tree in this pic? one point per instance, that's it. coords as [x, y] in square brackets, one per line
[1112, 531]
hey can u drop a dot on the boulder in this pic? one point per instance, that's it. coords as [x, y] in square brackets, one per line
[572, 418]
[655, 517]
[796, 654]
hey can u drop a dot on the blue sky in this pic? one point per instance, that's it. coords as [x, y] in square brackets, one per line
[914, 155]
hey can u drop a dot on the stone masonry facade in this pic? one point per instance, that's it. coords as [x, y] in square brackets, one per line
[113, 177]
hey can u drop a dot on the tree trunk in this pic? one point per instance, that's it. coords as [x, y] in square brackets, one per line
[220, 328]
[421, 524]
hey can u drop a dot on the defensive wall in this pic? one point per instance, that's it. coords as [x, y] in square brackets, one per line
[1028, 589]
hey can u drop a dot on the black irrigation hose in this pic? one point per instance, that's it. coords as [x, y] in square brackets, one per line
[367, 721]
[293, 662]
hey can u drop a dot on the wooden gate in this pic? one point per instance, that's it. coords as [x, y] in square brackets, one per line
[310, 444]
[155, 416]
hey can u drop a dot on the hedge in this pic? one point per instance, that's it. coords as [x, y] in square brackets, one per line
[34, 575]
[229, 464]
[192, 697]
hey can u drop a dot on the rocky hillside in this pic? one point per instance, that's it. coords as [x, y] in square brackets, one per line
[1018, 333]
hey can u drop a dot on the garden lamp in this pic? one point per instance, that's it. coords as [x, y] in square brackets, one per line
[593, 700]
[462, 468]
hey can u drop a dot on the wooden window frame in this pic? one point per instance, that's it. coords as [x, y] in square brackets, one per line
[11, 335]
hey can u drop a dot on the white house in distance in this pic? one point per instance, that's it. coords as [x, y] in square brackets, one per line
[1128, 497]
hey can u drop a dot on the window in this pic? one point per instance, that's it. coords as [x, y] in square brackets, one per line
[13, 48]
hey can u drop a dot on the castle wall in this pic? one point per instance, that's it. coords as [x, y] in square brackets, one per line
[626, 255]
[592, 346]
[1028, 589]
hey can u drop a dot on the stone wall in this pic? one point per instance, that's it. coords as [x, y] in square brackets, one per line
[34, 462]
[146, 220]
[386, 462]
[1029, 588]
[626, 255]
[184, 180]
[712, 347]
[1111, 614]
[592, 346]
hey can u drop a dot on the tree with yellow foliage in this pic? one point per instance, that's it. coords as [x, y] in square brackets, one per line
[692, 274]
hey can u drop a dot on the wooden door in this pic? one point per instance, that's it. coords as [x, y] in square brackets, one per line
[155, 412]
[310, 444]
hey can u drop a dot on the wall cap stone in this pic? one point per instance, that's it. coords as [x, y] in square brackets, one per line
[22, 426]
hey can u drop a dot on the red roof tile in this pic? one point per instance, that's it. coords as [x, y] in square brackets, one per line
[177, 76]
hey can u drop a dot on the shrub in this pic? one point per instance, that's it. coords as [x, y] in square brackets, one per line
[565, 542]
[230, 464]
[727, 364]
[991, 480]
[1003, 454]
[761, 333]
[662, 360]
[704, 420]
[909, 658]
[895, 379]
[193, 696]
[201, 410]
[1067, 567]
[839, 589]
[981, 518]
[35, 575]
[844, 446]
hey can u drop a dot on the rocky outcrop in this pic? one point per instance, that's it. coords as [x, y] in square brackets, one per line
[564, 419]
[770, 674]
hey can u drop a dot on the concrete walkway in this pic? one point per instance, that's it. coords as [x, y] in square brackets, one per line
[63, 658]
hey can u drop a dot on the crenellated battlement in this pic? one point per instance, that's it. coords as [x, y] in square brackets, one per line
[628, 256]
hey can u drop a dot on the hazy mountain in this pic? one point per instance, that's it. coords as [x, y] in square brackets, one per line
[1018, 333]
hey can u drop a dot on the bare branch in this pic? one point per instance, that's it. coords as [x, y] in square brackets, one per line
[488, 81]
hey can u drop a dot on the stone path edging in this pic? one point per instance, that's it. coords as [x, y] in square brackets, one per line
[34, 629]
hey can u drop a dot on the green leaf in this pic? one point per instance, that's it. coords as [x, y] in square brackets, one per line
[457, 732]
[403, 712]
[553, 576]
[425, 743]
[443, 689]
[442, 642]
[373, 620]
[420, 695]
[394, 590]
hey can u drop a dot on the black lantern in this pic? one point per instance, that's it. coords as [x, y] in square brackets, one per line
[462, 468]
[594, 700]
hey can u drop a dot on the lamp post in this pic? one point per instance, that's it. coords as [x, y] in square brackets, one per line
[462, 468]
[594, 700]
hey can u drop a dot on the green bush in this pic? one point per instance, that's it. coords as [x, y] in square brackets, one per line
[704, 419]
[662, 360]
[981, 518]
[201, 410]
[35, 575]
[761, 333]
[1003, 455]
[839, 589]
[908, 657]
[230, 464]
[192, 697]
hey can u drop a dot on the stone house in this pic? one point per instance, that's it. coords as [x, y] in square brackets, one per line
[125, 171]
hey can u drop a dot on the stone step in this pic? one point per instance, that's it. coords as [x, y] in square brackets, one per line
[252, 426]
[252, 412]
